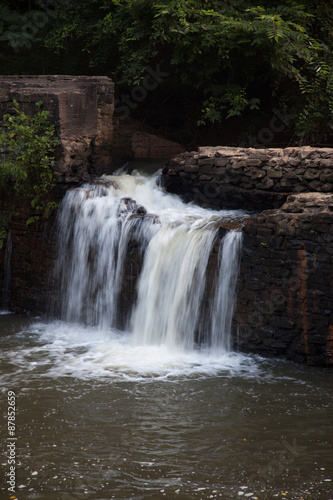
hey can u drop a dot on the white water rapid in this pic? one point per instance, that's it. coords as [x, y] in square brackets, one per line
[98, 224]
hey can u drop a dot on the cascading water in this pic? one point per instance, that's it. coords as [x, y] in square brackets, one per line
[98, 221]
[171, 286]
[6, 282]
[222, 307]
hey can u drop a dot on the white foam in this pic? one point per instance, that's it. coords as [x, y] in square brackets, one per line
[170, 208]
[70, 350]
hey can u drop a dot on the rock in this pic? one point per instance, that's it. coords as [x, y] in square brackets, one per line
[129, 206]
[274, 174]
[311, 174]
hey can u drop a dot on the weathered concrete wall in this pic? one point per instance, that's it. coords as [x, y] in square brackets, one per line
[135, 140]
[255, 179]
[81, 109]
[93, 141]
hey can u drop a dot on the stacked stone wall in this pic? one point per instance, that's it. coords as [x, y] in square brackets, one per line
[285, 295]
[285, 288]
[254, 179]
[32, 287]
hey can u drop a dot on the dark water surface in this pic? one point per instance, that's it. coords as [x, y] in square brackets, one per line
[100, 418]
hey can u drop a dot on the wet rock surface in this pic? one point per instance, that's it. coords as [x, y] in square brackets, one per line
[129, 206]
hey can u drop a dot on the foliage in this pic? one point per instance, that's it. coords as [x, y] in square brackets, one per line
[17, 37]
[27, 146]
[225, 58]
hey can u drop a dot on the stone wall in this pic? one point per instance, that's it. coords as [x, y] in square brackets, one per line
[254, 179]
[285, 297]
[285, 292]
[32, 262]
[81, 109]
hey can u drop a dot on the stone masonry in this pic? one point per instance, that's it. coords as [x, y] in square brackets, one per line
[285, 295]
[285, 289]
[254, 179]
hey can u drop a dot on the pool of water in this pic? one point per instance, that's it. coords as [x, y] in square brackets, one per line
[99, 417]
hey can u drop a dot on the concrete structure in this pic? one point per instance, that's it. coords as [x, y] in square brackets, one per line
[81, 108]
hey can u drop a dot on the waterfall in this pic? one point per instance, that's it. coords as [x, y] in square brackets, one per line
[223, 305]
[94, 229]
[7, 277]
[171, 286]
[100, 223]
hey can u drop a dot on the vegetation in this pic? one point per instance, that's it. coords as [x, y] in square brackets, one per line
[230, 63]
[27, 146]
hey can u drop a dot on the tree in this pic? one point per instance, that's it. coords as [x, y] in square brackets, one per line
[224, 58]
